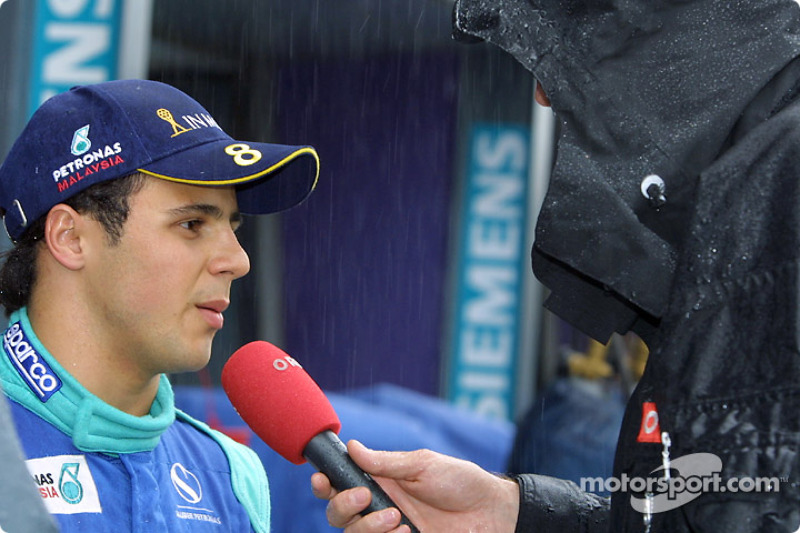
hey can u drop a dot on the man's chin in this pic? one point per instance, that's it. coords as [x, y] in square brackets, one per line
[192, 362]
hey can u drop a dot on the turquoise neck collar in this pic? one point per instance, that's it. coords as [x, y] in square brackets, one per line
[34, 378]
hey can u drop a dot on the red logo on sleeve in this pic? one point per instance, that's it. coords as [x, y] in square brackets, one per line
[650, 431]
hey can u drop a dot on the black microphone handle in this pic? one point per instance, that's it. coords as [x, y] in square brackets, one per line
[327, 453]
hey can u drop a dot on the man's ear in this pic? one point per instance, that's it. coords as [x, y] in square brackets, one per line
[62, 234]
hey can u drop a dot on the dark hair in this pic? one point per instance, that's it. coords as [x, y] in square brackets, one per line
[106, 202]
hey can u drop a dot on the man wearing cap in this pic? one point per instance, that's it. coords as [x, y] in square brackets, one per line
[123, 200]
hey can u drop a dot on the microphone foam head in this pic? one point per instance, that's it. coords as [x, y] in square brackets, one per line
[277, 399]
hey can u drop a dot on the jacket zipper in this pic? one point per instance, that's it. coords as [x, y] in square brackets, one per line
[666, 442]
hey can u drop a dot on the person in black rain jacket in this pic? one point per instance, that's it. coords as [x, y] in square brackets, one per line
[673, 211]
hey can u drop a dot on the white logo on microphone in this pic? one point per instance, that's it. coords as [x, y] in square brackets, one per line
[186, 484]
[287, 361]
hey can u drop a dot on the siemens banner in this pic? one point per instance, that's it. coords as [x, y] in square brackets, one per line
[492, 256]
[74, 42]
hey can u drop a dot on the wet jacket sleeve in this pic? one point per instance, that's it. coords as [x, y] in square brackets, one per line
[549, 504]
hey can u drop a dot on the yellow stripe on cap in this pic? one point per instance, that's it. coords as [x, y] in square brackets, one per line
[245, 179]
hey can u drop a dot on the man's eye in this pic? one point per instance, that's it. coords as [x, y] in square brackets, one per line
[192, 225]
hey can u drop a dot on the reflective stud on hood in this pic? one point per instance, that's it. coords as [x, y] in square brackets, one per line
[653, 188]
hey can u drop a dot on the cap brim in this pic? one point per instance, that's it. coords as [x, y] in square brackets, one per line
[268, 177]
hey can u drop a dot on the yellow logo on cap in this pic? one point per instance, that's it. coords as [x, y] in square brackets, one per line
[242, 154]
[164, 114]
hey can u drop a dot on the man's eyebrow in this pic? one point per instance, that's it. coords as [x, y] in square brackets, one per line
[204, 209]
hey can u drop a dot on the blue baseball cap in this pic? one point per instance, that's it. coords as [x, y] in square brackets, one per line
[100, 132]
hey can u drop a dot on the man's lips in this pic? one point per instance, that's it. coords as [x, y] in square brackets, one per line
[212, 312]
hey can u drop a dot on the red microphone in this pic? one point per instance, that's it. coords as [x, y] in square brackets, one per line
[287, 410]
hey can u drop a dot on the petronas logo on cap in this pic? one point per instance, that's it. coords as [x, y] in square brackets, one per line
[80, 141]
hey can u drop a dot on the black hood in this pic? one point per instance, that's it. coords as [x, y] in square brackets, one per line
[640, 88]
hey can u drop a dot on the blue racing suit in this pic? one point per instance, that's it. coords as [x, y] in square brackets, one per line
[99, 469]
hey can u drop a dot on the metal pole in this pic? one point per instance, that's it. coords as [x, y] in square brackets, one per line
[542, 141]
[135, 37]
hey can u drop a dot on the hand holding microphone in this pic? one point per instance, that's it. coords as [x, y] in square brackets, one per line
[288, 411]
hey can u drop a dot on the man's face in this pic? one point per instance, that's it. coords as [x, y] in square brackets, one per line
[159, 293]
